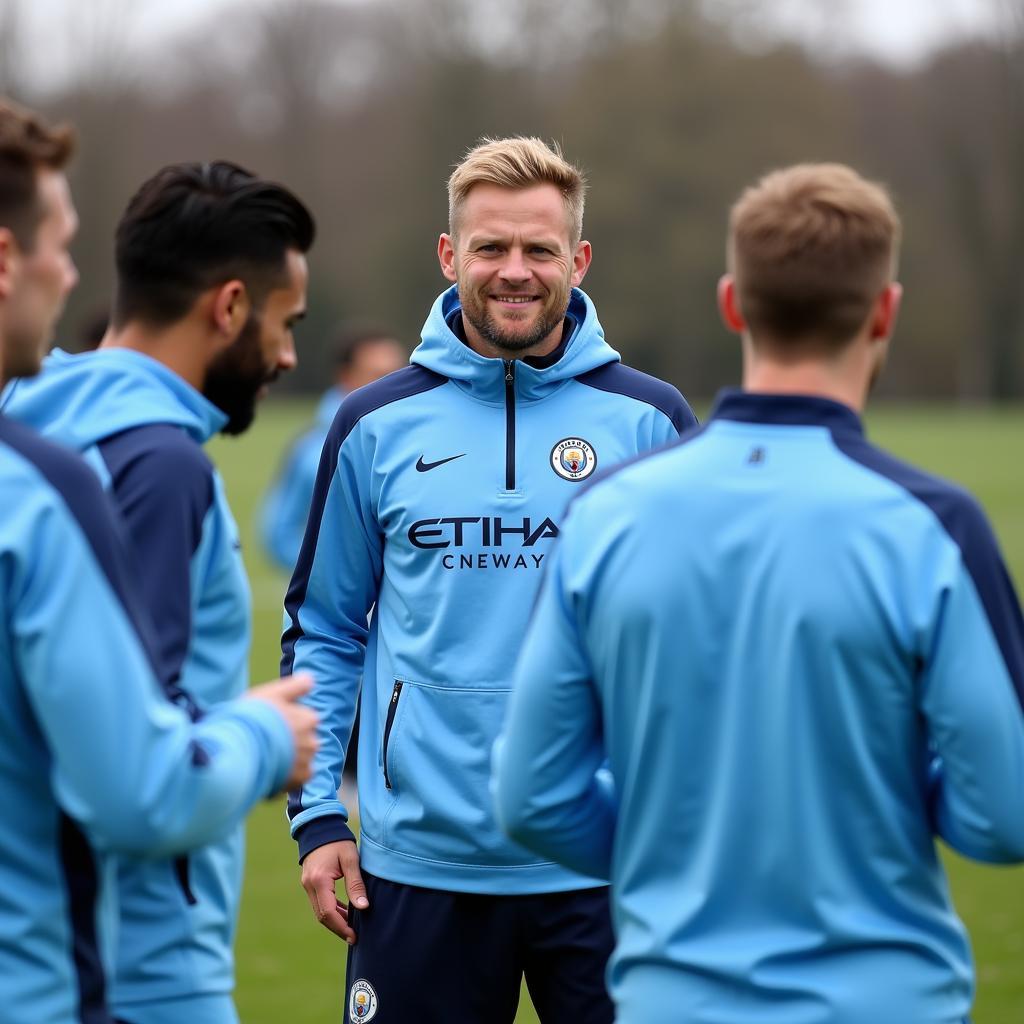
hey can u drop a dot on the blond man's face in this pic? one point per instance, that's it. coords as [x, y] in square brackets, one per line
[515, 263]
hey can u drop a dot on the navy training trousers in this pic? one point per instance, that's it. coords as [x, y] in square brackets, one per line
[428, 956]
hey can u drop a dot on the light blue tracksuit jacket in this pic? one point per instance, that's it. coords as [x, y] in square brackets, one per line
[142, 428]
[440, 491]
[804, 661]
[285, 507]
[93, 758]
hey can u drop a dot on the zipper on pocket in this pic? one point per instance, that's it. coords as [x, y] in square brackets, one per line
[510, 424]
[389, 722]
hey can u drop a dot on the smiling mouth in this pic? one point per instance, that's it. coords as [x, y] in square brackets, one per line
[515, 300]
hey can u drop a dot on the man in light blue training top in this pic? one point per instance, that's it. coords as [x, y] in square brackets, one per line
[440, 492]
[93, 757]
[211, 277]
[363, 355]
[803, 659]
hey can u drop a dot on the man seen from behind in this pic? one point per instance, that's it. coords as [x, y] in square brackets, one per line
[803, 659]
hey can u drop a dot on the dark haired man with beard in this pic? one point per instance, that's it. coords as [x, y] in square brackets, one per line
[211, 277]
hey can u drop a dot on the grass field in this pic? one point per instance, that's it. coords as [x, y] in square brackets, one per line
[291, 969]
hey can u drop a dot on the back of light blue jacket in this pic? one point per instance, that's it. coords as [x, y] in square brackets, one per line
[440, 491]
[142, 428]
[804, 661]
[93, 758]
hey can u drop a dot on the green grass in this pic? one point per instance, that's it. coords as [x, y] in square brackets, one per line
[289, 968]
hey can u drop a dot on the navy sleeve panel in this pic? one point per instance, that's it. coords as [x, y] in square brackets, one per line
[405, 383]
[163, 485]
[81, 879]
[321, 831]
[965, 522]
[96, 516]
[618, 379]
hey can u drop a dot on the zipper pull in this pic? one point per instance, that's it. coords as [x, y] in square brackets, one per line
[510, 373]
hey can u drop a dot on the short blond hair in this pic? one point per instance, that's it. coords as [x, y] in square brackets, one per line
[811, 247]
[518, 162]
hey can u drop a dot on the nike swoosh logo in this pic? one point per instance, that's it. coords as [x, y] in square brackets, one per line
[425, 467]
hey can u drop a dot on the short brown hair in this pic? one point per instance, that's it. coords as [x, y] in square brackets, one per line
[518, 162]
[811, 247]
[26, 145]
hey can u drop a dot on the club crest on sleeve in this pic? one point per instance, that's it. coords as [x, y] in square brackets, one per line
[572, 458]
[362, 1001]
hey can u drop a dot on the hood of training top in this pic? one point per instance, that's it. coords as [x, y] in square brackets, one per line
[584, 349]
[440, 492]
[82, 399]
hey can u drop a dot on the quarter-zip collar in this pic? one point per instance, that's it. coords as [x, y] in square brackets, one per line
[442, 351]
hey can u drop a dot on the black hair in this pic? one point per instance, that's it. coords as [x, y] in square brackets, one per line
[193, 226]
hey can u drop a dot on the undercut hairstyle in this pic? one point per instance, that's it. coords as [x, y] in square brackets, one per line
[811, 248]
[193, 226]
[27, 145]
[518, 162]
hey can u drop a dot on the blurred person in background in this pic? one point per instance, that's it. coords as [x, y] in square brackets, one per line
[438, 497]
[803, 658]
[361, 355]
[211, 279]
[94, 759]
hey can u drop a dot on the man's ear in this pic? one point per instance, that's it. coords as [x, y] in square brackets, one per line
[581, 262]
[230, 308]
[10, 261]
[728, 307]
[887, 308]
[446, 256]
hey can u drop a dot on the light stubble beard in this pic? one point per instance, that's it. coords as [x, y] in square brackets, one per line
[475, 311]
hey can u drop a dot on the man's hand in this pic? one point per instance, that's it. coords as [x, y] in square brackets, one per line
[283, 696]
[320, 870]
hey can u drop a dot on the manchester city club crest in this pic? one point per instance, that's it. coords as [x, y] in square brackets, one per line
[573, 459]
[362, 1002]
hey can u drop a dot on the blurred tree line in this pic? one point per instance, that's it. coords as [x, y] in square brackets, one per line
[363, 108]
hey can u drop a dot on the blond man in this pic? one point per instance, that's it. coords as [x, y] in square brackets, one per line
[803, 659]
[440, 492]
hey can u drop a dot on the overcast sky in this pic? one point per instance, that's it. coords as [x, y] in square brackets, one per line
[896, 30]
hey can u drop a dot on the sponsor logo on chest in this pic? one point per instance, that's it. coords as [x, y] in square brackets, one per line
[515, 538]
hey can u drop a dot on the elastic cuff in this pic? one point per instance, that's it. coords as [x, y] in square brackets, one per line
[321, 831]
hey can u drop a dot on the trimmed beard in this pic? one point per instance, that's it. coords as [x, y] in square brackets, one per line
[234, 378]
[491, 331]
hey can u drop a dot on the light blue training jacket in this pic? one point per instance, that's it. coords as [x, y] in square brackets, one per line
[440, 491]
[285, 506]
[93, 758]
[804, 661]
[142, 428]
